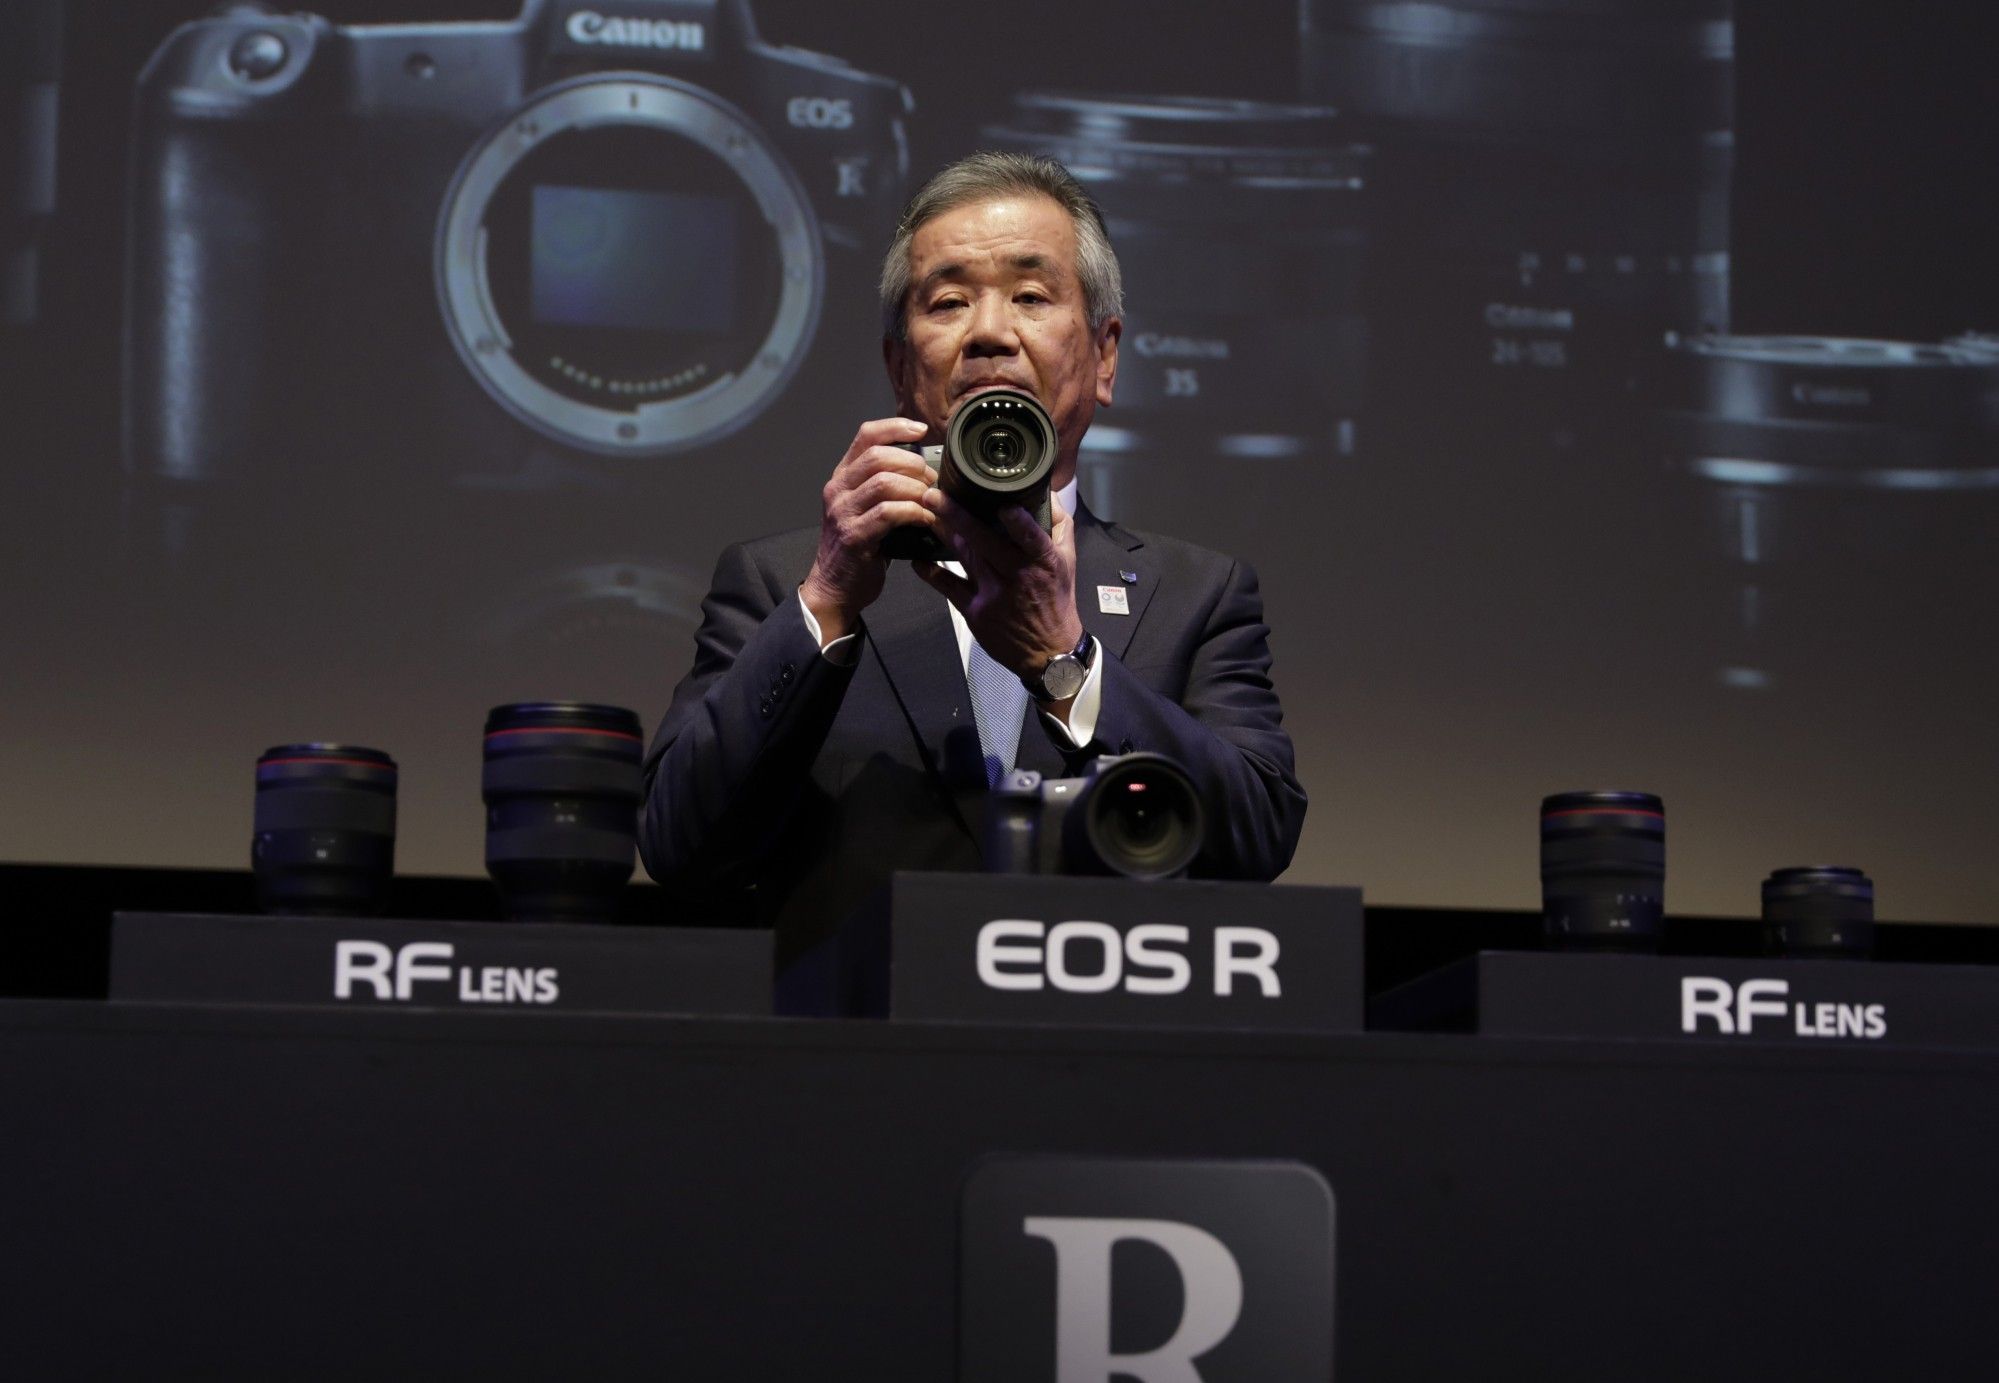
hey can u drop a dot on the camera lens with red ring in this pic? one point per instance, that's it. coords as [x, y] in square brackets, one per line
[324, 838]
[1603, 870]
[561, 786]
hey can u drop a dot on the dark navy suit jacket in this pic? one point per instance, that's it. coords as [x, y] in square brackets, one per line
[782, 789]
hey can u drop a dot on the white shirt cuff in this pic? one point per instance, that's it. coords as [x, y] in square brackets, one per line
[843, 651]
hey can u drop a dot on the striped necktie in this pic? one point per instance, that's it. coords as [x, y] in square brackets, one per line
[999, 703]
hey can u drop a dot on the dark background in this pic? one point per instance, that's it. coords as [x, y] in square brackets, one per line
[1471, 608]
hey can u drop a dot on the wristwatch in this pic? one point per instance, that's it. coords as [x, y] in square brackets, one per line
[1065, 674]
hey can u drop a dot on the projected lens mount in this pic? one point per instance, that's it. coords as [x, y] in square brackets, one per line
[627, 266]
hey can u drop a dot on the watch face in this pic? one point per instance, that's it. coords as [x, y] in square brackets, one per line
[1062, 678]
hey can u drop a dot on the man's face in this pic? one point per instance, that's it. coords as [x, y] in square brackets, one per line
[994, 299]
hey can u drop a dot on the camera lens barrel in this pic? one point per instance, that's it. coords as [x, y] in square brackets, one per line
[999, 448]
[30, 87]
[1816, 461]
[561, 786]
[1825, 911]
[324, 838]
[1603, 870]
[1138, 815]
[1242, 229]
[1834, 411]
[1556, 179]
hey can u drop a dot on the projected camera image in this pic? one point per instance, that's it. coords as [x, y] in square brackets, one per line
[628, 263]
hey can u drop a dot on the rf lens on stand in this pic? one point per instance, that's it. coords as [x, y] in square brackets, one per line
[324, 838]
[561, 786]
[1821, 911]
[1603, 870]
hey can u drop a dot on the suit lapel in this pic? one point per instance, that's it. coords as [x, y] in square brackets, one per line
[1104, 553]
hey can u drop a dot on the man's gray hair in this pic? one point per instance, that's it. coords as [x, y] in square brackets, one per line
[981, 177]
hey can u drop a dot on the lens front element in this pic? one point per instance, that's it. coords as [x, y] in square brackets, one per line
[1139, 816]
[1000, 442]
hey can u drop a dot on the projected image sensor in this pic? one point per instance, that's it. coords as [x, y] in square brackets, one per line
[642, 261]
[629, 267]
[615, 295]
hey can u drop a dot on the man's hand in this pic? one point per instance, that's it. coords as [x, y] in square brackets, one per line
[1018, 594]
[878, 485]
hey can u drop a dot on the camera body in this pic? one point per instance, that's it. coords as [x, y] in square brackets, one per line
[1138, 815]
[999, 449]
[558, 248]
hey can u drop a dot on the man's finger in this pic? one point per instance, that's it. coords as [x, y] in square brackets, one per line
[953, 588]
[1004, 548]
[884, 459]
[871, 526]
[1029, 536]
[884, 432]
[1064, 533]
[886, 485]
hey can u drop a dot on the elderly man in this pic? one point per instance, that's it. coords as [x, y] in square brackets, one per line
[846, 715]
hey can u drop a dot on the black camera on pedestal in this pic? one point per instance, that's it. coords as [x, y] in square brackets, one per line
[546, 251]
[1138, 815]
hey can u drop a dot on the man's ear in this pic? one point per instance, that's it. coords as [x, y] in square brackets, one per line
[1107, 339]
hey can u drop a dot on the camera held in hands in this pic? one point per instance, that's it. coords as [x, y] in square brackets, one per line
[1138, 815]
[999, 449]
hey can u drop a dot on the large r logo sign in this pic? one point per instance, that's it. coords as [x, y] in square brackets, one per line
[1209, 1277]
[1145, 1270]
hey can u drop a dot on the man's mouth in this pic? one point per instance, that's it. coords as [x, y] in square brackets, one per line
[986, 386]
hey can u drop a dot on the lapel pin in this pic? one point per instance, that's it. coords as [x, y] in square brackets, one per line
[1111, 600]
[1130, 577]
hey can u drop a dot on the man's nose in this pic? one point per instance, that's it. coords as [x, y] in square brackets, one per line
[992, 331]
